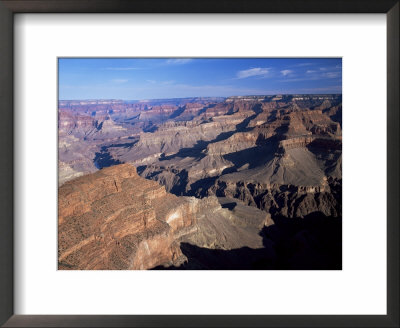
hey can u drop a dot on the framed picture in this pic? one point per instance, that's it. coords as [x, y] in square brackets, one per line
[190, 165]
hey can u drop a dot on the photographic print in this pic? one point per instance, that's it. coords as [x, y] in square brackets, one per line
[199, 163]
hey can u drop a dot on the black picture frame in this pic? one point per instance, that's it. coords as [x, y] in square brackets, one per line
[7, 10]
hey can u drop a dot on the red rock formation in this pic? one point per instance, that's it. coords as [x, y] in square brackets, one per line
[114, 219]
[109, 219]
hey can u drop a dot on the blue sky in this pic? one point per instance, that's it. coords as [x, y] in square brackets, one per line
[135, 79]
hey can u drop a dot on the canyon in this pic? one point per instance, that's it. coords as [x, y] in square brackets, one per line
[244, 182]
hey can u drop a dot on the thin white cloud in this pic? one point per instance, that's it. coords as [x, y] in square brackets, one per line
[312, 75]
[322, 68]
[304, 64]
[119, 80]
[160, 82]
[286, 72]
[257, 71]
[331, 75]
[178, 61]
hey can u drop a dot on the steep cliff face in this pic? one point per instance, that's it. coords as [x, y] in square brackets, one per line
[286, 200]
[105, 217]
[114, 219]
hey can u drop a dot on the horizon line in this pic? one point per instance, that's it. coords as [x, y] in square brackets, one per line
[260, 95]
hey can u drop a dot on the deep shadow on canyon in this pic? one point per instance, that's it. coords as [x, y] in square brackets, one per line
[310, 243]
